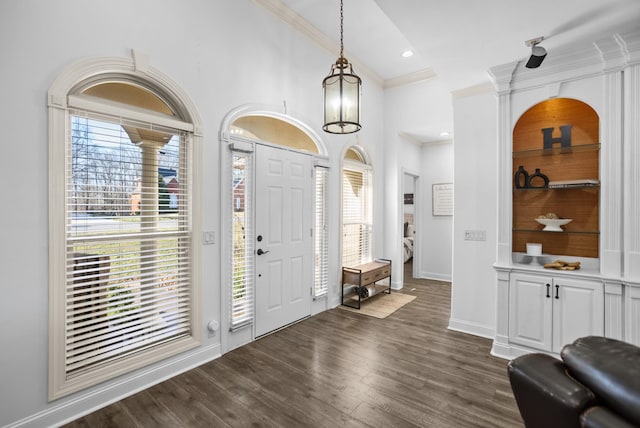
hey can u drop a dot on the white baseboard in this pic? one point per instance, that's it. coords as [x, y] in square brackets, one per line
[82, 404]
[435, 276]
[509, 351]
[471, 328]
[501, 350]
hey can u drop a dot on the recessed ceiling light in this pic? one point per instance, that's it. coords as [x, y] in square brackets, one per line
[408, 53]
[444, 134]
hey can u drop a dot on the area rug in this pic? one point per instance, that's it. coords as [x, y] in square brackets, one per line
[381, 305]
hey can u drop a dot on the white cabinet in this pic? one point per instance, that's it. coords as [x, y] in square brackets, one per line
[530, 311]
[546, 312]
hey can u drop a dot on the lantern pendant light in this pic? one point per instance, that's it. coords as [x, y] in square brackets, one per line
[342, 90]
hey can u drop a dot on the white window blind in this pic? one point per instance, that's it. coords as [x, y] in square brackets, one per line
[321, 259]
[356, 216]
[128, 270]
[242, 268]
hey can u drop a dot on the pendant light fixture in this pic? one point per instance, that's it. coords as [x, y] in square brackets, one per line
[342, 88]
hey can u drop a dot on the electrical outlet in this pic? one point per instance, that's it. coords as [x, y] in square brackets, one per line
[208, 238]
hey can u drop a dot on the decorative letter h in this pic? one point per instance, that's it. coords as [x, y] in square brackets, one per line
[564, 140]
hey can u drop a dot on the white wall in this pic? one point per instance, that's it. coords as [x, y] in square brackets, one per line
[436, 234]
[224, 54]
[475, 207]
[405, 110]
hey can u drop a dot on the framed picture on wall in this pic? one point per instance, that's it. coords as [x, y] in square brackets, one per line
[408, 198]
[442, 199]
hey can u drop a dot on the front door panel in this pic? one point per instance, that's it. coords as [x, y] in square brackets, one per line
[284, 270]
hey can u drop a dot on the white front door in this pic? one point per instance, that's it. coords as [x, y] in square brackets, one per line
[284, 245]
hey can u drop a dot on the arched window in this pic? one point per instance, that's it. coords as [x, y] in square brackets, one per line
[121, 223]
[357, 205]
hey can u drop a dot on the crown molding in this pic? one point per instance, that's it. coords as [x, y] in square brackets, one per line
[318, 37]
[421, 143]
[630, 44]
[480, 89]
[410, 138]
[561, 65]
[502, 76]
[407, 79]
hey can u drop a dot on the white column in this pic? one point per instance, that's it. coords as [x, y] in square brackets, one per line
[632, 173]
[149, 218]
[611, 177]
[613, 310]
[630, 44]
[501, 347]
[502, 77]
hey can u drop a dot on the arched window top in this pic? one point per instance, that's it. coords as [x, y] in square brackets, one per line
[130, 94]
[264, 123]
[125, 82]
[356, 154]
[275, 130]
[353, 155]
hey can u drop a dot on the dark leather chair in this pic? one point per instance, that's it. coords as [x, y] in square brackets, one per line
[595, 384]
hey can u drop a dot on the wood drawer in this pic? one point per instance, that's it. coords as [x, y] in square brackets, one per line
[371, 272]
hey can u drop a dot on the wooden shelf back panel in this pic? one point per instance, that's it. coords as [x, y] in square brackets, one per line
[564, 166]
[581, 205]
[560, 243]
[553, 113]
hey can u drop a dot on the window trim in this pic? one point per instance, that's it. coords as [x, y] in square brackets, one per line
[60, 96]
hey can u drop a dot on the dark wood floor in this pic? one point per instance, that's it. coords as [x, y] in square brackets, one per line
[338, 369]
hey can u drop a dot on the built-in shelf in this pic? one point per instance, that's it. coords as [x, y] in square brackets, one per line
[563, 188]
[556, 146]
[584, 232]
[557, 150]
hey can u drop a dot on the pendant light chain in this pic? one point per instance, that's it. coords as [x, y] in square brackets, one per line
[341, 31]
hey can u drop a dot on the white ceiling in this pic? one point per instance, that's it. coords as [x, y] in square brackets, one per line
[457, 40]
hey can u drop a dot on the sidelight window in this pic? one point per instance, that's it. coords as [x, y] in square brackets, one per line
[356, 211]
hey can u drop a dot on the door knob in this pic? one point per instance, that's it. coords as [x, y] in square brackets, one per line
[260, 252]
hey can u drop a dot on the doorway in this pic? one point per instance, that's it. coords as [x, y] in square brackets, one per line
[270, 192]
[409, 219]
[283, 233]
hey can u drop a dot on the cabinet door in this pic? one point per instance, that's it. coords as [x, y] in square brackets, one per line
[578, 310]
[530, 311]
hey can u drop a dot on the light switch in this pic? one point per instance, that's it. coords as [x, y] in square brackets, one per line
[475, 235]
